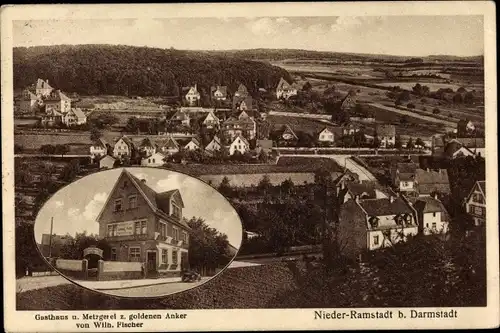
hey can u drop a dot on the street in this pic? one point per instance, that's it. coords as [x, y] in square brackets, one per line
[38, 282]
[155, 290]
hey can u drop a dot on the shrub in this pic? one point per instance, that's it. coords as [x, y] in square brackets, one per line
[424, 108]
[436, 111]
[423, 100]
[410, 106]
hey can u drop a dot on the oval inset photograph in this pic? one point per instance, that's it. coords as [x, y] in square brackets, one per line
[138, 232]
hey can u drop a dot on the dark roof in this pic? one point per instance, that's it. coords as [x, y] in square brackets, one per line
[289, 130]
[406, 171]
[266, 144]
[222, 89]
[160, 201]
[378, 207]
[482, 187]
[358, 189]
[385, 130]
[471, 142]
[237, 100]
[430, 181]
[430, 205]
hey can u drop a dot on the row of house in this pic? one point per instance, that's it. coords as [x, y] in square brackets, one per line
[413, 181]
[240, 123]
[457, 147]
[154, 151]
[192, 96]
[54, 104]
[371, 218]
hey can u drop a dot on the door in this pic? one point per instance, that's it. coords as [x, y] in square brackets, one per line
[184, 261]
[151, 262]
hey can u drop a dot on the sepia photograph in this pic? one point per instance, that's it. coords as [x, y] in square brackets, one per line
[119, 235]
[256, 161]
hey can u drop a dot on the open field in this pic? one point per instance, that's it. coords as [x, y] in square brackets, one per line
[310, 126]
[432, 86]
[285, 165]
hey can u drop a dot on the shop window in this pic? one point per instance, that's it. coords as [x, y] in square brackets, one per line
[135, 254]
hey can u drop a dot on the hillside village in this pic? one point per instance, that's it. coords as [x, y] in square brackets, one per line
[299, 159]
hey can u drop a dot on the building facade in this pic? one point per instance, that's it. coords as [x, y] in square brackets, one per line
[475, 203]
[142, 225]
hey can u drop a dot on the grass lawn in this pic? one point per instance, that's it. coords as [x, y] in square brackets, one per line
[310, 126]
[286, 164]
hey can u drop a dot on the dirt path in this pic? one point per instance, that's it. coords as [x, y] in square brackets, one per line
[448, 125]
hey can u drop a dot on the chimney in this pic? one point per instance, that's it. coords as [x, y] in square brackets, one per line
[391, 199]
[427, 169]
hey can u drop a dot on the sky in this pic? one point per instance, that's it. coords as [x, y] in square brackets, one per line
[76, 206]
[395, 35]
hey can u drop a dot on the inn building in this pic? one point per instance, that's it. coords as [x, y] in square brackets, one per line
[142, 225]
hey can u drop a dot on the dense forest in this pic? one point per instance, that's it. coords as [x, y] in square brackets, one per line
[143, 71]
[286, 54]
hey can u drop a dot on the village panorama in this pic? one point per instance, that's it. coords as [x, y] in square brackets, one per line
[359, 178]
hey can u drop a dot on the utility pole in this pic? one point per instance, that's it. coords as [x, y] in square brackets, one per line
[50, 237]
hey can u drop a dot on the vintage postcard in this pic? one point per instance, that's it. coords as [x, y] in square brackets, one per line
[249, 166]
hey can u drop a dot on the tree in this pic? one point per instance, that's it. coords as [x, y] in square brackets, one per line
[225, 187]
[287, 186]
[307, 86]
[404, 120]
[265, 184]
[208, 248]
[132, 125]
[18, 149]
[61, 149]
[103, 120]
[48, 149]
[419, 142]
[376, 141]
[70, 170]
[95, 134]
[397, 142]
[322, 176]
[410, 106]
[410, 144]
[263, 156]
[436, 111]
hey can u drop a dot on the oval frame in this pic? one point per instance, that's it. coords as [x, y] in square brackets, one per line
[98, 171]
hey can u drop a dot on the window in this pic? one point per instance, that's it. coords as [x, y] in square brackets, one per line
[163, 230]
[478, 211]
[135, 254]
[118, 205]
[184, 237]
[175, 234]
[153, 160]
[434, 225]
[132, 202]
[434, 214]
[174, 257]
[164, 256]
[113, 254]
[176, 211]
[112, 229]
[375, 240]
[143, 227]
[137, 228]
[427, 225]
